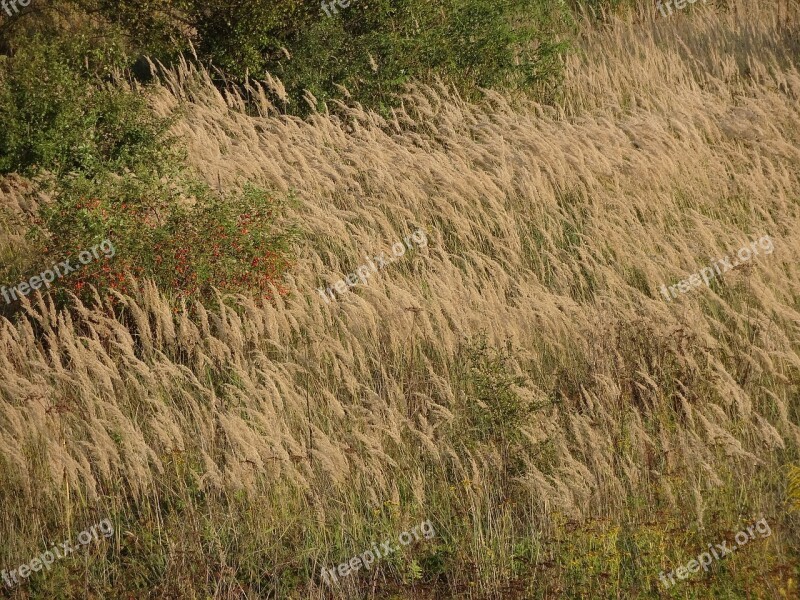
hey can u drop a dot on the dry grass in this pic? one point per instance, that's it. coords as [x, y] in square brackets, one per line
[243, 449]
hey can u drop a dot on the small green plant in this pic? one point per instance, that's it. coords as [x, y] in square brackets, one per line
[793, 487]
[490, 410]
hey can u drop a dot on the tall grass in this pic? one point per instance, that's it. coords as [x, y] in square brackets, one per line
[520, 382]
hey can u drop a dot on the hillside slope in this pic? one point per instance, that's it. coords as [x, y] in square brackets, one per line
[519, 378]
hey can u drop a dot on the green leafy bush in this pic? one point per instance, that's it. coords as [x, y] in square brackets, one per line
[489, 409]
[227, 242]
[60, 116]
[116, 173]
[372, 47]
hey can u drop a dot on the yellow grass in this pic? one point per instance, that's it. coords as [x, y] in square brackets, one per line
[550, 229]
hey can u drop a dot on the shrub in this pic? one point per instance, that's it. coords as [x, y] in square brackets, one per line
[60, 116]
[228, 242]
[115, 172]
[372, 47]
[489, 409]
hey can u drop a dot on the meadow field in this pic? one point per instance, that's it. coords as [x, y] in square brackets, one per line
[519, 390]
